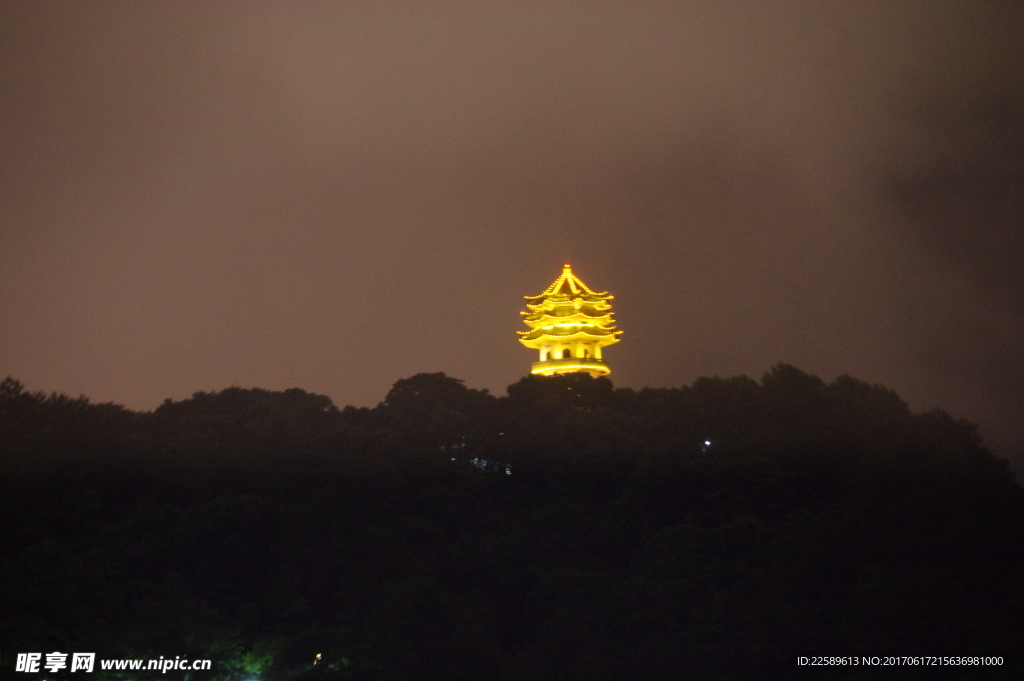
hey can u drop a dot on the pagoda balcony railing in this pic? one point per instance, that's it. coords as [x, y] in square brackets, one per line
[568, 365]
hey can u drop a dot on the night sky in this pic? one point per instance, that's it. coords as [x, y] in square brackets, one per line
[336, 195]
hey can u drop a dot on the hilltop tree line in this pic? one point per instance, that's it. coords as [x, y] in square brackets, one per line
[567, 530]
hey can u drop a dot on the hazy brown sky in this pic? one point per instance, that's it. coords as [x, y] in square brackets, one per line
[335, 195]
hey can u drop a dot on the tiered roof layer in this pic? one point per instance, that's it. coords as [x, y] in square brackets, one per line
[569, 310]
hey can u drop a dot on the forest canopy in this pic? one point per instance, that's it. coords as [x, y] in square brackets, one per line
[567, 530]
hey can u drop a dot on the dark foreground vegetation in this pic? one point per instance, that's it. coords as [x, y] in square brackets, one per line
[566, 531]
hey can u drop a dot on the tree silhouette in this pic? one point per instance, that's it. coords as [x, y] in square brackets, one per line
[568, 530]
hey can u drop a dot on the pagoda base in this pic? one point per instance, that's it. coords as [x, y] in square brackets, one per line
[573, 365]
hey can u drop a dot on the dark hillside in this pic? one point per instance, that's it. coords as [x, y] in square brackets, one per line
[568, 530]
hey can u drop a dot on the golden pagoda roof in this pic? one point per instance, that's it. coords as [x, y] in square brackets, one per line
[568, 284]
[569, 310]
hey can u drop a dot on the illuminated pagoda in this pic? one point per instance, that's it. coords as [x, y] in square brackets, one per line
[569, 324]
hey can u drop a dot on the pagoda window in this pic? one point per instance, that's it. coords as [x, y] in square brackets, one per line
[567, 354]
[543, 355]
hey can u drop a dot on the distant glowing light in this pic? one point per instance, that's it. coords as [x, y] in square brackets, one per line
[496, 466]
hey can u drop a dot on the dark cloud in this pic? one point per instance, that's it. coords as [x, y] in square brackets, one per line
[965, 198]
[957, 193]
[336, 195]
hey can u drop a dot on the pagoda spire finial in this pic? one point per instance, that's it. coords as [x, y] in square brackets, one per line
[569, 324]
